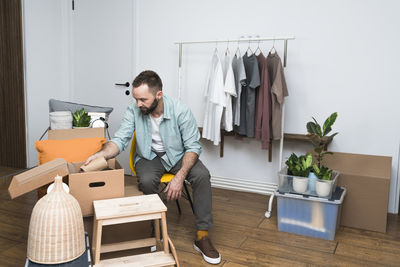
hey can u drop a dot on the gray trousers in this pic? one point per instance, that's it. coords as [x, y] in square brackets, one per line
[149, 173]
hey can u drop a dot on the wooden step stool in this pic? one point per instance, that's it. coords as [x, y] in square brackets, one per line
[132, 209]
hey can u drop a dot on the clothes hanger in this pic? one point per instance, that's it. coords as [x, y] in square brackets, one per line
[216, 47]
[273, 47]
[258, 48]
[227, 49]
[237, 53]
[247, 51]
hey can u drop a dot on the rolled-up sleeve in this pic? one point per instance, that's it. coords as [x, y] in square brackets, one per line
[124, 134]
[189, 131]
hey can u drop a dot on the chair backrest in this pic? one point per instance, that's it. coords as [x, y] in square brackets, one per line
[132, 154]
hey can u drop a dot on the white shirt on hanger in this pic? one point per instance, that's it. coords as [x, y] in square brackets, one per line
[215, 101]
[230, 90]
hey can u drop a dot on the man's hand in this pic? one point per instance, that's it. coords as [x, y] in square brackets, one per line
[91, 158]
[109, 150]
[174, 187]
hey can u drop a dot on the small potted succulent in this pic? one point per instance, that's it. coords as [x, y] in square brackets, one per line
[81, 118]
[319, 138]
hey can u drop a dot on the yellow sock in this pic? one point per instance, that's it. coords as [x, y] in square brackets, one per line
[201, 234]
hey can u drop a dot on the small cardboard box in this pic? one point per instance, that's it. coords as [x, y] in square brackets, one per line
[85, 187]
[367, 180]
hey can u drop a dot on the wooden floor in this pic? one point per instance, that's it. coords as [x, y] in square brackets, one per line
[242, 234]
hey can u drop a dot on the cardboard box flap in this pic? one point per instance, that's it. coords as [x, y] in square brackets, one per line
[37, 177]
[358, 164]
[76, 133]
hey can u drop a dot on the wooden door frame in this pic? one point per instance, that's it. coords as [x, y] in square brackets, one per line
[12, 94]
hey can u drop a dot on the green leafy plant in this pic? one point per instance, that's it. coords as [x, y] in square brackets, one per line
[322, 173]
[319, 136]
[299, 166]
[81, 118]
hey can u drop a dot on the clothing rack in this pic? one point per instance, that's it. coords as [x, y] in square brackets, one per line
[271, 189]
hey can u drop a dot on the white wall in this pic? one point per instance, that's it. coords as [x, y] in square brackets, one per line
[345, 59]
[46, 65]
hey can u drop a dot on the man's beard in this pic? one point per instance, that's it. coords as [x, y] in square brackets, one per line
[153, 106]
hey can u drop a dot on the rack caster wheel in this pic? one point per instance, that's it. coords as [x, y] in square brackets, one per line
[268, 214]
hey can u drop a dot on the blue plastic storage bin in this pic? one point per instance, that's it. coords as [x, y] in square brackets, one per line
[310, 216]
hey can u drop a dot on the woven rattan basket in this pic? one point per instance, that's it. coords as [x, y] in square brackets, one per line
[56, 233]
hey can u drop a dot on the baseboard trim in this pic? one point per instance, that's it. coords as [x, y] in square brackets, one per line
[243, 185]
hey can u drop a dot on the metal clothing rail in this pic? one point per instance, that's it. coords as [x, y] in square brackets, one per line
[249, 40]
[240, 40]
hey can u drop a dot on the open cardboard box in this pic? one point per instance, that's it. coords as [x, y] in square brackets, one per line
[89, 186]
[85, 187]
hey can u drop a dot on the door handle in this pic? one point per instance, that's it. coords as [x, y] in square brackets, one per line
[123, 84]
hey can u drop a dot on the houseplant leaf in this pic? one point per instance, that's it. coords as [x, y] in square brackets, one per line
[329, 122]
[313, 128]
[319, 132]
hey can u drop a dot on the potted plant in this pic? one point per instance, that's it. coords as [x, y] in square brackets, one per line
[323, 186]
[320, 140]
[81, 118]
[300, 168]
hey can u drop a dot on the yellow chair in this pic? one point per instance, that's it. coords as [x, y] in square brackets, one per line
[165, 179]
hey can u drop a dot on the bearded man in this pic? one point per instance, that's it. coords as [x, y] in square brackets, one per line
[167, 139]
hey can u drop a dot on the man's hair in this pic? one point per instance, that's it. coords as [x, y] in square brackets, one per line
[150, 78]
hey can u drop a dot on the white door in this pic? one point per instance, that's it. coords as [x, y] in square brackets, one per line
[102, 56]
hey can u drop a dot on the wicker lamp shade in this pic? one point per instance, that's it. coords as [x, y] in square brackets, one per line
[56, 233]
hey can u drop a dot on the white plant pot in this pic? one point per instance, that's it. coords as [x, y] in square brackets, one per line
[300, 184]
[323, 188]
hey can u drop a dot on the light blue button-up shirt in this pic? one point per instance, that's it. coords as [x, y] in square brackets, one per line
[178, 130]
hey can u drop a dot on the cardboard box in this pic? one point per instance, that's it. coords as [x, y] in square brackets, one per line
[89, 186]
[367, 180]
[85, 187]
[76, 133]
